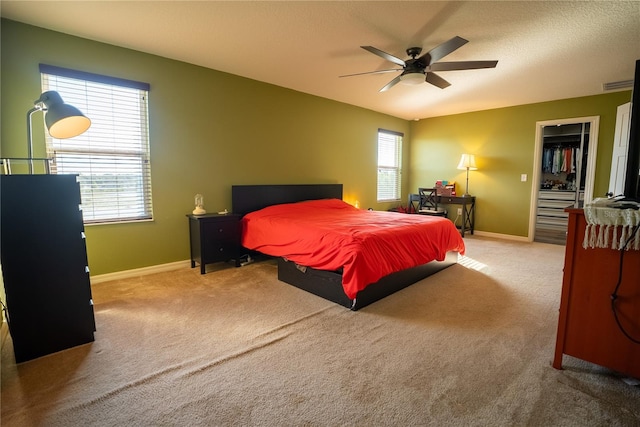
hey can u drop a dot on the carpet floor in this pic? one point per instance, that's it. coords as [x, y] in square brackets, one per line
[469, 346]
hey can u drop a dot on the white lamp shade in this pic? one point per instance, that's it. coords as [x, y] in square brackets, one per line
[467, 161]
[63, 120]
[412, 78]
[68, 127]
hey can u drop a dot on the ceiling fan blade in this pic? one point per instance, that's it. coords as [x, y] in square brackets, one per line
[384, 55]
[461, 65]
[373, 72]
[436, 80]
[442, 50]
[391, 84]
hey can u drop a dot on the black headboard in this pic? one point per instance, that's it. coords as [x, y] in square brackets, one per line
[249, 198]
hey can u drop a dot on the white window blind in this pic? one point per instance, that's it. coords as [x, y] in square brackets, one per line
[112, 157]
[389, 165]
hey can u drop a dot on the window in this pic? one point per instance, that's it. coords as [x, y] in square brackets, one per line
[389, 165]
[112, 157]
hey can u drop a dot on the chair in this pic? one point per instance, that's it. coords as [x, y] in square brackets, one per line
[413, 204]
[429, 202]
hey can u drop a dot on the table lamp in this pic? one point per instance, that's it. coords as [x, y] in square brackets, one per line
[468, 162]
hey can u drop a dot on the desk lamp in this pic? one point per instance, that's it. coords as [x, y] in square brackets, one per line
[62, 120]
[468, 162]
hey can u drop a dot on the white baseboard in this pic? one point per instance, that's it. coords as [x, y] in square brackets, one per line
[502, 236]
[140, 271]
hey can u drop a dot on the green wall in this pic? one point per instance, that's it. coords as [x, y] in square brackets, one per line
[503, 141]
[208, 129]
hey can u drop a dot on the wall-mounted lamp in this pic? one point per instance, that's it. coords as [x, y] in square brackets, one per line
[468, 162]
[62, 120]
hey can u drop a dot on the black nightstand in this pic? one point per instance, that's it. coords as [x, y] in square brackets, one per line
[214, 238]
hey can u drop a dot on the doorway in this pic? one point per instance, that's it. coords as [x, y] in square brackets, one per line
[572, 187]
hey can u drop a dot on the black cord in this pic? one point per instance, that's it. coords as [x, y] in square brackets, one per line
[614, 295]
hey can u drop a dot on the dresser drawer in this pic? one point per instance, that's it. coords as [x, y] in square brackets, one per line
[216, 251]
[555, 204]
[557, 195]
[551, 222]
[225, 230]
[552, 212]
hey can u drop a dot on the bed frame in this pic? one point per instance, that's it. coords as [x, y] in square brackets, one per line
[326, 284]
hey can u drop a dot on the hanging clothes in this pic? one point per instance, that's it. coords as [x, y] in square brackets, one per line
[547, 160]
[558, 159]
[566, 160]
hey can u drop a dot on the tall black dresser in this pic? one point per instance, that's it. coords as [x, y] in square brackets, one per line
[44, 264]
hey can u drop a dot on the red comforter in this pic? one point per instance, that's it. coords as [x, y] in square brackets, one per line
[332, 235]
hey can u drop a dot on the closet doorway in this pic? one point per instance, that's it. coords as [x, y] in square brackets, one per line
[563, 174]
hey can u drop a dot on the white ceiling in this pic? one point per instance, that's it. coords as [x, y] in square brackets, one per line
[546, 50]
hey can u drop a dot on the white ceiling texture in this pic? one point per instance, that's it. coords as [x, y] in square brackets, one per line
[546, 50]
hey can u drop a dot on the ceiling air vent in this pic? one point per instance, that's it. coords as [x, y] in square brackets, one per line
[625, 84]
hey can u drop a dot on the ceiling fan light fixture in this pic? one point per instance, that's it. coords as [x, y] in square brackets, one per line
[420, 69]
[412, 78]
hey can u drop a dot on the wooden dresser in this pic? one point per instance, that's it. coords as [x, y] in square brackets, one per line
[587, 328]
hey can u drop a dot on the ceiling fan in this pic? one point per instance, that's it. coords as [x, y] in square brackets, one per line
[420, 69]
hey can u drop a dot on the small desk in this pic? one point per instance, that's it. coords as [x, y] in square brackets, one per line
[468, 204]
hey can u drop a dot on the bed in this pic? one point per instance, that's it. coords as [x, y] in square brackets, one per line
[327, 247]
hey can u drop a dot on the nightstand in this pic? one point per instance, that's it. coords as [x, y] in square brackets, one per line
[214, 238]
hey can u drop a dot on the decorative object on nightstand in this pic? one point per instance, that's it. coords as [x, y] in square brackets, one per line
[199, 210]
[468, 162]
[214, 238]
